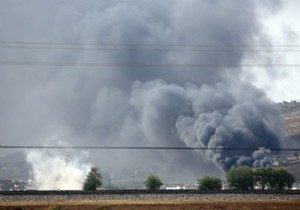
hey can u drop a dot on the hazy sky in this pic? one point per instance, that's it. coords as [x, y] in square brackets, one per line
[140, 72]
[281, 29]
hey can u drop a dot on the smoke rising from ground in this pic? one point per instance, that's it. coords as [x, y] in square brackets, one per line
[137, 106]
[58, 169]
[213, 117]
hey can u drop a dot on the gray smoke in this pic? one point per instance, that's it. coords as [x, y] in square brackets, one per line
[216, 117]
[124, 105]
[223, 118]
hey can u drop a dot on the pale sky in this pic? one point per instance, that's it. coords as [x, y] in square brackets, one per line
[283, 29]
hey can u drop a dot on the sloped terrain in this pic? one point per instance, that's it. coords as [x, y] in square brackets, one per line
[291, 122]
[292, 125]
[291, 119]
[14, 166]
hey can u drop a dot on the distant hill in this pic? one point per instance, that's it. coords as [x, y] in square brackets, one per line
[291, 119]
[291, 122]
[14, 166]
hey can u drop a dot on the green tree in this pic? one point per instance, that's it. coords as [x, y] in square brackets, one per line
[209, 183]
[280, 179]
[93, 179]
[153, 183]
[240, 178]
[262, 177]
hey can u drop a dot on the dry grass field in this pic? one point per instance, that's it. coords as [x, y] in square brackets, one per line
[151, 205]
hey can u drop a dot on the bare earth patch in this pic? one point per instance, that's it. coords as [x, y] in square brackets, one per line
[151, 205]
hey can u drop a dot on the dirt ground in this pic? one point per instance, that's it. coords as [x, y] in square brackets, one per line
[148, 205]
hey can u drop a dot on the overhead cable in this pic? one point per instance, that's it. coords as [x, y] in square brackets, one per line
[144, 148]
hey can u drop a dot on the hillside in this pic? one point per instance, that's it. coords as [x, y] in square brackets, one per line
[291, 119]
[14, 166]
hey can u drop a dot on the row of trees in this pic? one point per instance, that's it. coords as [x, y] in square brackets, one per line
[93, 181]
[246, 178]
[241, 178]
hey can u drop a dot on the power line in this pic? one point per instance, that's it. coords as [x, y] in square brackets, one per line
[144, 148]
[143, 45]
[145, 65]
[195, 50]
[147, 47]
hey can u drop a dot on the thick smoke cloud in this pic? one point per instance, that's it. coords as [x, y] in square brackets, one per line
[122, 105]
[213, 117]
[232, 121]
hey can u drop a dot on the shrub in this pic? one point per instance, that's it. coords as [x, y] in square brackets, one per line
[153, 183]
[262, 177]
[209, 183]
[280, 179]
[240, 178]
